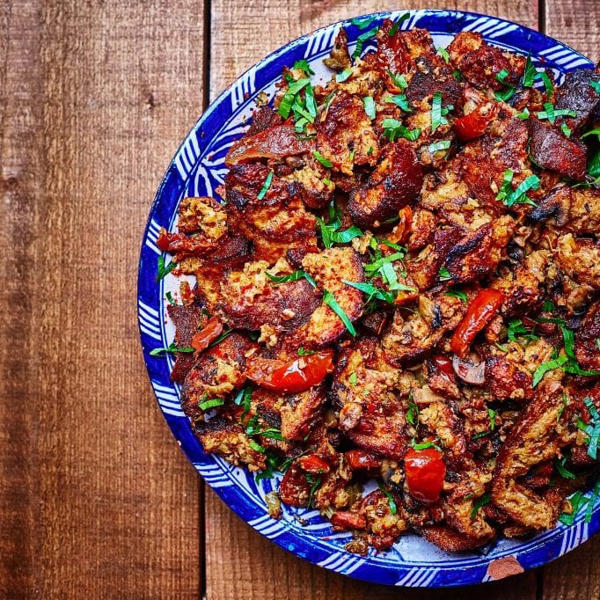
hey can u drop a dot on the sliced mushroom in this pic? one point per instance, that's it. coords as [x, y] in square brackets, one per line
[473, 373]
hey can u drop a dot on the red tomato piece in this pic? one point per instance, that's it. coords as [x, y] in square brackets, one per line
[313, 464]
[360, 459]
[425, 472]
[292, 377]
[473, 125]
[480, 312]
[210, 332]
[444, 364]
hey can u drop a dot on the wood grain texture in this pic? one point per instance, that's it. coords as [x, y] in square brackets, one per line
[239, 562]
[96, 500]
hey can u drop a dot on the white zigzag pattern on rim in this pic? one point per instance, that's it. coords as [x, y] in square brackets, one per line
[244, 85]
[153, 231]
[149, 321]
[187, 156]
[213, 475]
[341, 562]
[574, 536]
[167, 399]
[267, 526]
[418, 578]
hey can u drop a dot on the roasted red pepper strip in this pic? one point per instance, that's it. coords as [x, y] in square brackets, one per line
[425, 472]
[210, 332]
[481, 311]
[473, 125]
[360, 459]
[292, 377]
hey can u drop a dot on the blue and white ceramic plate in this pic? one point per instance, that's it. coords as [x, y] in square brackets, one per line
[196, 170]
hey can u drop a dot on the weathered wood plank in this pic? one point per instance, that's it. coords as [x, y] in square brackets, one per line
[96, 499]
[239, 562]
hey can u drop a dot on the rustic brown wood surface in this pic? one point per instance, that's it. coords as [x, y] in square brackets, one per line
[96, 500]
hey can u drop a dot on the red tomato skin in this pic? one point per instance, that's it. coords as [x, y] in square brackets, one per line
[444, 364]
[425, 472]
[360, 459]
[296, 376]
[313, 464]
[210, 332]
[473, 125]
[480, 312]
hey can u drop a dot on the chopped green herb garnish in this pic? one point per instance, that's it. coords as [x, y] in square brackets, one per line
[399, 80]
[517, 329]
[436, 111]
[208, 404]
[266, 186]
[361, 39]
[595, 85]
[370, 107]
[285, 106]
[562, 470]
[485, 499]
[577, 501]
[457, 75]
[412, 414]
[492, 415]
[329, 299]
[371, 291]
[362, 23]
[523, 115]
[530, 73]
[444, 54]
[501, 76]
[566, 130]
[519, 195]
[548, 85]
[401, 101]
[330, 234]
[551, 365]
[224, 335]
[458, 293]
[172, 349]
[438, 146]
[303, 352]
[303, 65]
[501, 347]
[424, 445]
[255, 446]
[595, 132]
[390, 498]
[393, 130]
[352, 379]
[314, 484]
[295, 276]
[170, 299]
[345, 74]
[444, 274]
[162, 270]
[551, 113]
[324, 161]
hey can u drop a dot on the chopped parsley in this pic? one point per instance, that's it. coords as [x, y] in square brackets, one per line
[390, 498]
[485, 499]
[170, 299]
[562, 470]
[492, 415]
[172, 349]
[552, 113]
[509, 197]
[266, 186]
[444, 54]
[393, 129]
[401, 101]
[345, 74]
[285, 106]
[362, 23]
[208, 404]
[324, 161]
[517, 329]
[329, 300]
[330, 234]
[162, 270]
[303, 352]
[551, 365]
[361, 39]
[370, 109]
[399, 80]
[438, 146]
[438, 112]
[458, 293]
[303, 65]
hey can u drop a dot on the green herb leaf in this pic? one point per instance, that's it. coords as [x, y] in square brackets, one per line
[492, 415]
[517, 329]
[436, 111]
[458, 293]
[255, 446]
[170, 299]
[562, 470]
[485, 499]
[547, 366]
[595, 85]
[329, 299]
[362, 23]
[393, 129]
[399, 80]
[501, 76]
[424, 445]
[444, 274]
[162, 270]
[172, 349]
[530, 73]
[353, 378]
[412, 414]
[390, 498]
[509, 197]
[371, 291]
[345, 74]
[566, 130]
[370, 109]
[208, 404]
[303, 65]
[552, 113]
[315, 483]
[324, 161]
[303, 352]
[444, 54]
[285, 106]
[523, 115]
[361, 39]
[437, 146]
[295, 276]
[548, 85]
[578, 501]
[401, 101]
[266, 186]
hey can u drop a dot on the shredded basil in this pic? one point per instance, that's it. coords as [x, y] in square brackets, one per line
[361, 39]
[562, 470]
[517, 329]
[393, 129]
[523, 115]
[285, 106]
[170, 299]
[390, 498]
[424, 445]
[324, 161]
[162, 270]
[401, 101]
[566, 130]
[485, 499]
[172, 349]
[329, 299]
[295, 276]
[266, 186]
[371, 291]
[208, 404]
[315, 483]
[362, 23]
[595, 85]
[399, 80]
[412, 414]
[370, 109]
[444, 54]
[303, 352]
[352, 379]
[458, 293]
[303, 65]
[345, 74]
[551, 113]
[438, 146]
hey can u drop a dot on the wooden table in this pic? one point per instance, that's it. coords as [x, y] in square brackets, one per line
[96, 500]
